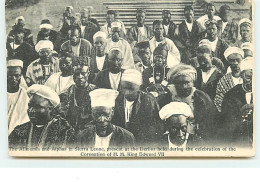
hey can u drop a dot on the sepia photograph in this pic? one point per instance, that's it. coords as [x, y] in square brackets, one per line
[130, 79]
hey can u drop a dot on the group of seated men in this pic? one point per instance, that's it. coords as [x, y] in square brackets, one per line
[104, 86]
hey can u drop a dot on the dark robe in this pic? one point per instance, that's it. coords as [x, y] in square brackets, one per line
[171, 31]
[120, 137]
[132, 33]
[102, 80]
[232, 130]
[211, 85]
[28, 36]
[59, 134]
[144, 121]
[93, 67]
[230, 32]
[24, 52]
[89, 31]
[93, 20]
[54, 37]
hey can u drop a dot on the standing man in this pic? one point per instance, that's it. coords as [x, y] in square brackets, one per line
[136, 111]
[80, 47]
[169, 28]
[210, 15]
[245, 27]
[160, 39]
[189, 34]
[17, 98]
[66, 22]
[107, 28]
[110, 78]
[104, 134]
[45, 128]
[227, 30]
[139, 32]
[19, 26]
[234, 56]
[117, 41]
[41, 69]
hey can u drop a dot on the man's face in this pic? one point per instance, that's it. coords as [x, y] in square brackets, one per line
[45, 31]
[130, 90]
[235, 62]
[245, 32]
[183, 85]
[205, 61]
[100, 45]
[211, 11]
[68, 12]
[225, 15]
[247, 79]
[19, 37]
[212, 31]
[84, 18]
[140, 17]
[81, 76]
[158, 30]
[65, 64]
[159, 59]
[13, 77]
[20, 24]
[177, 127]
[115, 34]
[166, 16]
[74, 37]
[145, 55]
[102, 117]
[45, 54]
[110, 18]
[115, 62]
[189, 15]
[39, 110]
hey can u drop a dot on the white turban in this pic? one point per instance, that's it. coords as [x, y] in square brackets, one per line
[71, 7]
[45, 92]
[205, 42]
[182, 69]
[100, 34]
[247, 64]
[232, 50]
[116, 24]
[43, 44]
[244, 20]
[175, 108]
[103, 97]
[132, 76]
[15, 62]
[247, 45]
[19, 18]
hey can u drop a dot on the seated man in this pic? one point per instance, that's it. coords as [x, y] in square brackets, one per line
[208, 75]
[19, 26]
[160, 39]
[41, 69]
[45, 128]
[236, 128]
[110, 77]
[144, 56]
[80, 47]
[78, 108]
[117, 41]
[169, 28]
[138, 112]
[234, 56]
[245, 27]
[227, 29]
[17, 98]
[103, 134]
[19, 49]
[180, 131]
[62, 80]
[181, 86]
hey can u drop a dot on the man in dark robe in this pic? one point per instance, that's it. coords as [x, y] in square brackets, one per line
[168, 26]
[45, 128]
[143, 61]
[103, 134]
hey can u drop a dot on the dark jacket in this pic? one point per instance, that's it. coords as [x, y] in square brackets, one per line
[171, 31]
[93, 67]
[132, 33]
[144, 123]
[89, 31]
[28, 36]
[120, 137]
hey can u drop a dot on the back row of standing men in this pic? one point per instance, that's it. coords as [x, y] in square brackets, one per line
[188, 73]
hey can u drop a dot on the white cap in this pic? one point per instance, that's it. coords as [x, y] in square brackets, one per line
[175, 108]
[247, 45]
[14, 62]
[100, 34]
[205, 42]
[244, 20]
[43, 44]
[45, 92]
[19, 18]
[232, 50]
[103, 97]
[116, 24]
[247, 64]
[132, 76]
[71, 7]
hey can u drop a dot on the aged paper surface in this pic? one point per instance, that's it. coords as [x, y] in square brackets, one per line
[130, 79]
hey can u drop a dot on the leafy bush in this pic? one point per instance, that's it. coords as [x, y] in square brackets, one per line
[19, 3]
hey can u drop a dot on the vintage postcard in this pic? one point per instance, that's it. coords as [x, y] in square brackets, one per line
[130, 79]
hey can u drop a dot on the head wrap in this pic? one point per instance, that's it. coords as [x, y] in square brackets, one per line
[161, 47]
[43, 44]
[14, 62]
[46, 24]
[143, 45]
[210, 22]
[205, 42]
[182, 69]
[175, 108]
[45, 92]
[247, 45]
[116, 25]
[232, 50]
[19, 18]
[100, 34]
[245, 21]
[132, 76]
[247, 64]
[103, 97]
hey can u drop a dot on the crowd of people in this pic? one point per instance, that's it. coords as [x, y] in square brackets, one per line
[88, 85]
